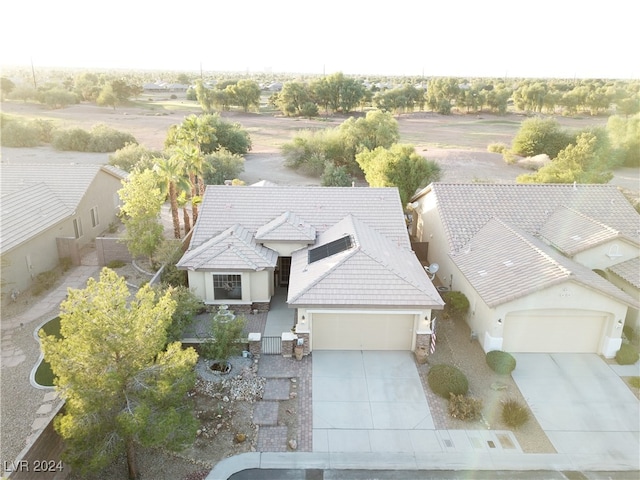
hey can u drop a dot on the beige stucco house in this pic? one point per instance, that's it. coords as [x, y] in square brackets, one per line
[546, 268]
[343, 254]
[50, 212]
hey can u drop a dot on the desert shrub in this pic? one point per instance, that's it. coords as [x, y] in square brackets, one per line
[514, 413]
[173, 96]
[116, 264]
[74, 139]
[188, 305]
[309, 109]
[501, 362]
[634, 382]
[224, 165]
[336, 176]
[107, 139]
[45, 129]
[226, 330]
[133, 155]
[445, 380]
[456, 304]
[16, 133]
[540, 135]
[465, 408]
[509, 158]
[44, 281]
[66, 263]
[627, 355]
[629, 333]
[497, 148]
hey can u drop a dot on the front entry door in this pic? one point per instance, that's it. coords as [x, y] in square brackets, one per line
[284, 268]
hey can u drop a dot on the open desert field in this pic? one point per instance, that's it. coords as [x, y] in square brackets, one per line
[457, 142]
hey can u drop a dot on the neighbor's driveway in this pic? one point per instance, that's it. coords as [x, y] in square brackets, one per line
[581, 403]
[369, 401]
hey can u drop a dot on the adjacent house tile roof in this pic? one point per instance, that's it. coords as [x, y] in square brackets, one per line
[375, 271]
[233, 249]
[466, 208]
[321, 207]
[628, 271]
[572, 232]
[503, 263]
[287, 227]
[37, 196]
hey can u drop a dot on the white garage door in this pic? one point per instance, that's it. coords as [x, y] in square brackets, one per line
[358, 331]
[546, 331]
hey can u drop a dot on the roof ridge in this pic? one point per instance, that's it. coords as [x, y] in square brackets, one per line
[523, 236]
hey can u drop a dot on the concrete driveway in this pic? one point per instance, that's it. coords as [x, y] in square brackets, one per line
[369, 401]
[581, 403]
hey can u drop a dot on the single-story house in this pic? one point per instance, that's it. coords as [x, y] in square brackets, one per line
[342, 254]
[546, 267]
[50, 211]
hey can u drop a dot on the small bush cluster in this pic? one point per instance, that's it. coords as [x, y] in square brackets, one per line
[465, 408]
[634, 382]
[627, 355]
[514, 414]
[445, 380]
[116, 264]
[44, 281]
[456, 304]
[501, 362]
[18, 133]
[101, 139]
[497, 148]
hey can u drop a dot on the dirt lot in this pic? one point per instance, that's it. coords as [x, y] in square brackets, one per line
[457, 142]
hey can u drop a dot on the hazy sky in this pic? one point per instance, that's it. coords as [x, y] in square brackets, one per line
[495, 38]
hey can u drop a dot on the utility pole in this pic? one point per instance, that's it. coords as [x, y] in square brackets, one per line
[33, 73]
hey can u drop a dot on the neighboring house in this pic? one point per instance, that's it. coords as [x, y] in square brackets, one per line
[343, 254]
[546, 268]
[50, 211]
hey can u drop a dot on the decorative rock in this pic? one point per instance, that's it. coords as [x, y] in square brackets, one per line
[293, 395]
[498, 386]
[294, 380]
[225, 399]
[240, 437]
[293, 444]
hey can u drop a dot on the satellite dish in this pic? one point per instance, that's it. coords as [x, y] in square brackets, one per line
[432, 269]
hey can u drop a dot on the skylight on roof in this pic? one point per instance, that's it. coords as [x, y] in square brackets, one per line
[329, 249]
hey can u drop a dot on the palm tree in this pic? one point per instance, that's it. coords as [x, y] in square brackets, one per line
[171, 174]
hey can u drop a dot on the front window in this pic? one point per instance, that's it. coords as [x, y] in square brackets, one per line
[227, 287]
[77, 227]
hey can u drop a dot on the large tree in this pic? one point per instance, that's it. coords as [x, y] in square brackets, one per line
[142, 199]
[123, 385]
[399, 166]
[171, 177]
[245, 94]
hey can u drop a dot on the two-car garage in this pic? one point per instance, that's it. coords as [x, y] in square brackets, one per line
[362, 331]
[551, 331]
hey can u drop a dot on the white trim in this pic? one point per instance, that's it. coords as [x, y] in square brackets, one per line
[374, 312]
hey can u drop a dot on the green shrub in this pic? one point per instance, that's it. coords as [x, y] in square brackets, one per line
[446, 379]
[501, 362]
[634, 382]
[514, 414]
[188, 305]
[629, 333]
[226, 330]
[456, 304]
[627, 355]
[133, 155]
[115, 264]
[73, 139]
[66, 263]
[508, 157]
[16, 133]
[497, 148]
[107, 139]
[465, 408]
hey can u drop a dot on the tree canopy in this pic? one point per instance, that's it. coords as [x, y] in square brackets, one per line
[123, 385]
[398, 166]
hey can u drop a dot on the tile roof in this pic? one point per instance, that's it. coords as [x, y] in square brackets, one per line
[503, 263]
[628, 270]
[287, 227]
[571, 232]
[233, 249]
[375, 271]
[321, 207]
[36, 196]
[466, 207]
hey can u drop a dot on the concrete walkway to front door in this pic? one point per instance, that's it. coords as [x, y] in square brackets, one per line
[280, 318]
[369, 401]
